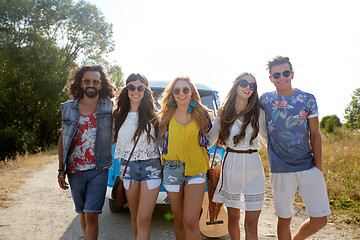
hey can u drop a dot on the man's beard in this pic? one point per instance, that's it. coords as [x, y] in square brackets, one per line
[91, 94]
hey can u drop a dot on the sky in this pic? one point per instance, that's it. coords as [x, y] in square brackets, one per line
[212, 42]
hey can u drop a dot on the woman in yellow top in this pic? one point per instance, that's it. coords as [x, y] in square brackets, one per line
[184, 126]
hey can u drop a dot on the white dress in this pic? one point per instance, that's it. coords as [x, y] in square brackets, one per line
[243, 185]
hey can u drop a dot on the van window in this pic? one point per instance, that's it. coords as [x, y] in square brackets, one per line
[209, 101]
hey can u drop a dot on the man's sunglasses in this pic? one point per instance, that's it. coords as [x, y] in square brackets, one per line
[244, 83]
[95, 82]
[132, 88]
[277, 75]
[185, 90]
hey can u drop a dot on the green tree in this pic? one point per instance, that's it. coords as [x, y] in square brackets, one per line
[115, 73]
[39, 42]
[329, 123]
[33, 83]
[352, 112]
[77, 28]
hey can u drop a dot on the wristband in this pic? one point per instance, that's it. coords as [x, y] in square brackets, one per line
[60, 170]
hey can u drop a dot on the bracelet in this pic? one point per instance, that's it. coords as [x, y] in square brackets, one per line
[60, 170]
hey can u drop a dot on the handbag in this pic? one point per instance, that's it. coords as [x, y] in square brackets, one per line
[213, 175]
[118, 191]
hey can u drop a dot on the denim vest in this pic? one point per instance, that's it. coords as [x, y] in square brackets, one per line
[103, 143]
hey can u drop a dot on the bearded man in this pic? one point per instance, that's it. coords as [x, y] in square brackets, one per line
[84, 146]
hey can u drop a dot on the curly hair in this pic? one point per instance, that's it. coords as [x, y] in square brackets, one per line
[277, 61]
[228, 114]
[76, 75]
[199, 114]
[146, 109]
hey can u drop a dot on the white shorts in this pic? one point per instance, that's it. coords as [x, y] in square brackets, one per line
[311, 186]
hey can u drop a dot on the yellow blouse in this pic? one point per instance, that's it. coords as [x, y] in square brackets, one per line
[183, 146]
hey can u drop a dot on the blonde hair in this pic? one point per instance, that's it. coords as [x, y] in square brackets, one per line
[200, 113]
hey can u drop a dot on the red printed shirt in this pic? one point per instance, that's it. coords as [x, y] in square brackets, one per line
[82, 148]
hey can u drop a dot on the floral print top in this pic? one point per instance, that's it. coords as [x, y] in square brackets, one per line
[82, 148]
[288, 131]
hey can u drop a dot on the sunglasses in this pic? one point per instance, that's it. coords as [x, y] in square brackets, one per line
[95, 82]
[132, 88]
[244, 83]
[185, 90]
[277, 75]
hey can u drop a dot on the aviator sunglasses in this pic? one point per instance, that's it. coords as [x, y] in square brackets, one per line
[277, 75]
[244, 83]
[185, 90]
[132, 88]
[95, 82]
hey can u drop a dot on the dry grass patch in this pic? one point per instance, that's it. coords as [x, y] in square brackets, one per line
[341, 154]
[13, 171]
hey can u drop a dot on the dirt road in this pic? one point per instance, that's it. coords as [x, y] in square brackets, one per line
[43, 211]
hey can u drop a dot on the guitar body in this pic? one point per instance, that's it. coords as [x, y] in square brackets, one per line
[213, 230]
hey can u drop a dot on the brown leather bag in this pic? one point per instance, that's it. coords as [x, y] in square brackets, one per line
[213, 175]
[118, 191]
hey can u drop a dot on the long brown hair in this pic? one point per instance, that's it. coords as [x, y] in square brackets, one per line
[75, 79]
[200, 113]
[146, 110]
[228, 114]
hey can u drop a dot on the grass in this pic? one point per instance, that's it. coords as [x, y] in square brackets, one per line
[341, 168]
[341, 157]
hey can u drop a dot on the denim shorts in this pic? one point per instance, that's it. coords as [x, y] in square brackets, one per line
[88, 189]
[143, 170]
[174, 173]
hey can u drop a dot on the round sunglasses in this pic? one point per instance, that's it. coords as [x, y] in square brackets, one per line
[87, 82]
[132, 88]
[185, 90]
[244, 83]
[277, 75]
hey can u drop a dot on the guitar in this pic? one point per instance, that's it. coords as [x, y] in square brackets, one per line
[216, 229]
